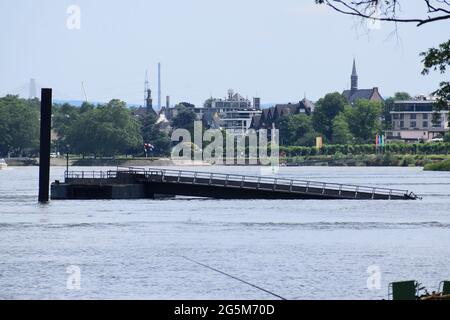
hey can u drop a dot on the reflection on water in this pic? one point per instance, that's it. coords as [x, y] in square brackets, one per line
[297, 248]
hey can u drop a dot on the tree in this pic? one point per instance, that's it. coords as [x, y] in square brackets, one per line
[208, 103]
[19, 126]
[389, 105]
[390, 10]
[327, 108]
[151, 134]
[64, 116]
[184, 119]
[341, 130]
[296, 130]
[364, 119]
[106, 130]
[438, 59]
[447, 137]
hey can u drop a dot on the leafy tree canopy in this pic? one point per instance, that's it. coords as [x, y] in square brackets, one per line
[19, 125]
[363, 119]
[327, 108]
[108, 130]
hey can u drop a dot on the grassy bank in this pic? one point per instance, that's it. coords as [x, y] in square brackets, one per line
[388, 159]
[438, 166]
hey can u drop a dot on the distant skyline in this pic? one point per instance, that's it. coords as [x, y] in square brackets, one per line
[278, 51]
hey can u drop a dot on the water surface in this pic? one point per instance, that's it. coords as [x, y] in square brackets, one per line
[299, 249]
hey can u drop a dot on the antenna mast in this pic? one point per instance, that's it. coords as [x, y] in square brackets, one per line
[159, 85]
[84, 91]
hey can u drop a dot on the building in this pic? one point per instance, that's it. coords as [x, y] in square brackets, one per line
[415, 120]
[148, 109]
[354, 93]
[270, 116]
[234, 113]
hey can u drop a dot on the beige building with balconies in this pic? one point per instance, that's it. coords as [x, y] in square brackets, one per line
[415, 120]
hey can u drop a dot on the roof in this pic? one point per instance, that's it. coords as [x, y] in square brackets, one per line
[368, 94]
[307, 105]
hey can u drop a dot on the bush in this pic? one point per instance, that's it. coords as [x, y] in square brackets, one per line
[438, 166]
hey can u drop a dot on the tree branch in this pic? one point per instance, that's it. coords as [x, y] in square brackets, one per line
[388, 9]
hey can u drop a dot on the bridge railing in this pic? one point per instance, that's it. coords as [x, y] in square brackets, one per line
[86, 174]
[238, 180]
[213, 178]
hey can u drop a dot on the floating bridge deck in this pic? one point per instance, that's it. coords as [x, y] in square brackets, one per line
[136, 183]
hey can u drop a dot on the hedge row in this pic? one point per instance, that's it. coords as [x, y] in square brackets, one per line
[362, 149]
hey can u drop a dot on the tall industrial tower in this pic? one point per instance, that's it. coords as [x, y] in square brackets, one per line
[32, 90]
[159, 85]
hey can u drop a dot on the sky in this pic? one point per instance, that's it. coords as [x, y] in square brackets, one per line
[278, 50]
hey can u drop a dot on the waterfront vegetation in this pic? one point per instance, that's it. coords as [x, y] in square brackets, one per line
[438, 166]
[112, 130]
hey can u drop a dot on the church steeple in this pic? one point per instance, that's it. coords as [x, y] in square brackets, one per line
[354, 77]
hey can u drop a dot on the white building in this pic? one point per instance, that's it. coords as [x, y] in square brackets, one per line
[235, 112]
[413, 120]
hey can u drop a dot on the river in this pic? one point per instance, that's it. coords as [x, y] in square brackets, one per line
[298, 249]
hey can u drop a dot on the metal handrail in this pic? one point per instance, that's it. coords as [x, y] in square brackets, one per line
[242, 179]
[284, 181]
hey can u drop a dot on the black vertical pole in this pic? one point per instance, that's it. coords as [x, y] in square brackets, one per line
[44, 151]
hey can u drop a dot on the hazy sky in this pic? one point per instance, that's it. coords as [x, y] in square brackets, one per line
[279, 50]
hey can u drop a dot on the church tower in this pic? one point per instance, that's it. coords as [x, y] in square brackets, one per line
[354, 78]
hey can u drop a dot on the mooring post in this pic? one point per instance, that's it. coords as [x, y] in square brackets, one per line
[44, 150]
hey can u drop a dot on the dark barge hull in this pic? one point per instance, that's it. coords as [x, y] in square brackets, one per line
[156, 183]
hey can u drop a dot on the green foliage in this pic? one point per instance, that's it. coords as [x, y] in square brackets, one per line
[438, 166]
[447, 137]
[151, 134]
[19, 126]
[297, 130]
[364, 119]
[208, 103]
[184, 119]
[105, 130]
[366, 149]
[341, 131]
[64, 116]
[327, 108]
[438, 59]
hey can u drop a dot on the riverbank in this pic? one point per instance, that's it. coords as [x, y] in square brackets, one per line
[438, 166]
[391, 160]
[388, 159]
[104, 162]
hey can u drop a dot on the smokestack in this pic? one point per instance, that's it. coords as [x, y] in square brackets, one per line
[159, 85]
[167, 102]
[44, 151]
[32, 93]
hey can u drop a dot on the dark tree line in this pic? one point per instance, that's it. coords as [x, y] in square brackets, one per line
[19, 126]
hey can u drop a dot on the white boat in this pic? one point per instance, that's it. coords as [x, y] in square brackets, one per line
[3, 164]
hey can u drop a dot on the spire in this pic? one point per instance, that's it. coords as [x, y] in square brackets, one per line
[354, 68]
[354, 77]
[148, 94]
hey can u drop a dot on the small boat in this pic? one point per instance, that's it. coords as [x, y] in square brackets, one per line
[3, 164]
